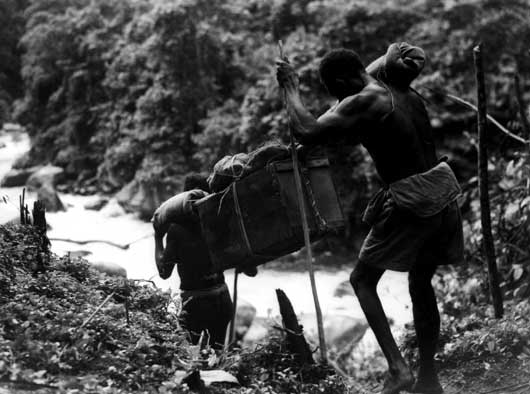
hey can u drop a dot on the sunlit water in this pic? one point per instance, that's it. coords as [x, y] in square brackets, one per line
[80, 224]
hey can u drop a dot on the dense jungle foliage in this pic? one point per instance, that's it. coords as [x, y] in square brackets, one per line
[140, 92]
[147, 90]
[11, 29]
[130, 92]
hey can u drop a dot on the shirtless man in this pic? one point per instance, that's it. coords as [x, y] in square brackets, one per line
[415, 222]
[207, 304]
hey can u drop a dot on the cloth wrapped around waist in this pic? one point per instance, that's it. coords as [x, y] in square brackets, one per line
[211, 291]
[423, 195]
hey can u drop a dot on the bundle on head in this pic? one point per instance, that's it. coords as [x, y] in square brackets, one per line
[401, 64]
[227, 170]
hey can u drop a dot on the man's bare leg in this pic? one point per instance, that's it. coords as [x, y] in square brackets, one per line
[364, 280]
[427, 325]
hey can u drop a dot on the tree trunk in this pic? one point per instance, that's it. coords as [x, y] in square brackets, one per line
[485, 213]
[39, 222]
[296, 342]
[39, 216]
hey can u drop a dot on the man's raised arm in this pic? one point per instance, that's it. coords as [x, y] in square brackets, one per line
[346, 118]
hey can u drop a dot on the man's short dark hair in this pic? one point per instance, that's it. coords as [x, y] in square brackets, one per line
[339, 63]
[196, 181]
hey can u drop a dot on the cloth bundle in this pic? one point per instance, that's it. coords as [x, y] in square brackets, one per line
[422, 195]
[231, 168]
[401, 64]
[177, 209]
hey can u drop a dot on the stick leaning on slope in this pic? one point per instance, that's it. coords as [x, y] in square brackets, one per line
[307, 241]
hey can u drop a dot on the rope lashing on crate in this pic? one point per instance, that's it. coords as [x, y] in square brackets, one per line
[321, 222]
[242, 226]
[237, 176]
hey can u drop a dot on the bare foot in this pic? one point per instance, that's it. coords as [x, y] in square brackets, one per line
[395, 383]
[427, 386]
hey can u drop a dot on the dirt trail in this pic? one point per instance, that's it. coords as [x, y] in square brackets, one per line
[476, 377]
[512, 376]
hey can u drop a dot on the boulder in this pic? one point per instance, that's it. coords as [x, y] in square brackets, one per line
[49, 197]
[97, 204]
[126, 193]
[46, 175]
[109, 268]
[18, 177]
[344, 289]
[113, 209]
[74, 254]
[142, 198]
[245, 315]
[342, 332]
[258, 330]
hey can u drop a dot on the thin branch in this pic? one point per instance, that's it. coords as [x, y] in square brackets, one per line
[490, 118]
[511, 387]
[27, 385]
[473, 107]
[97, 310]
[116, 245]
[124, 247]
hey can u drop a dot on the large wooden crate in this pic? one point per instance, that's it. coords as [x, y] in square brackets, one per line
[257, 218]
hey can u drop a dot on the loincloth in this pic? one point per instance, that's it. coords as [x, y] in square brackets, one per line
[415, 221]
[213, 291]
[207, 310]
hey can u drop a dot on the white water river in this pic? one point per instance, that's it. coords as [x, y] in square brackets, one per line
[81, 224]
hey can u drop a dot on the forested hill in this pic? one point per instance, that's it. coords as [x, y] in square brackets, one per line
[139, 92]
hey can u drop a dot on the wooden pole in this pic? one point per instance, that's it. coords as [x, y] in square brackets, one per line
[232, 332]
[307, 241]
[485, 212]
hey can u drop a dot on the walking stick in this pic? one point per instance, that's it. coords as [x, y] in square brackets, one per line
[232, 331]
[305, 228]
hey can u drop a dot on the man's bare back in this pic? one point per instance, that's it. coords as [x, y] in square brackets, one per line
[395, 129]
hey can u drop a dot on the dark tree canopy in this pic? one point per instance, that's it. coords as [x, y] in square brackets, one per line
[145, 91]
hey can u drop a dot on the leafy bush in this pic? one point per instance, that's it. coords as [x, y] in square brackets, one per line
[469, 331]
[271, 369]
[49, 335]
[510, 199]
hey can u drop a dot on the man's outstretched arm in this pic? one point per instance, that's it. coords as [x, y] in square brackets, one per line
[165, 256]
[347, 118]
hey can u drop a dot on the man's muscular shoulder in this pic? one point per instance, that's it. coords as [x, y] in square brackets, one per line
[374, 101]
